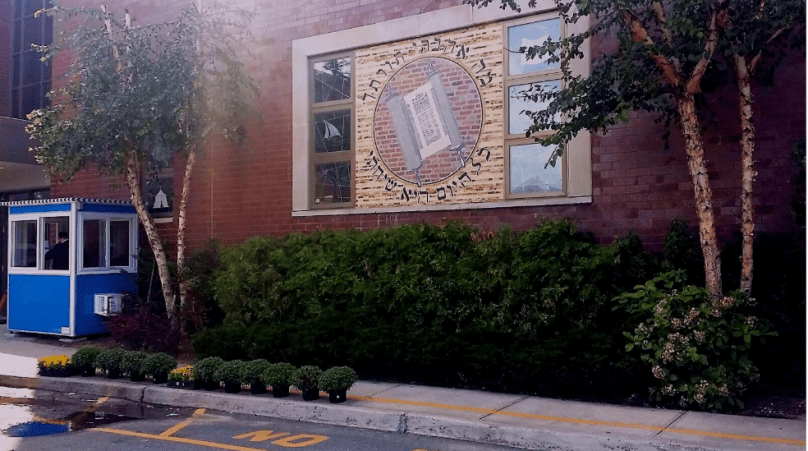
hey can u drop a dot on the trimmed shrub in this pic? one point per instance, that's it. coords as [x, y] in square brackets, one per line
[307, 378]
[84, 359]
[205, 369]
[159, 363]
[251, 371]
[229, 371]
[337, 378]
[278, 374]
[110, 360]
[131, 361]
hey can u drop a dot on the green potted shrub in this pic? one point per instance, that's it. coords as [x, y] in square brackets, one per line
[202, 373]
[84, 360]
[230, 374]
[130, 363]
[336, 381]
[279, 377]
[251, 375]
[158, 365]
[306, 379]
[109, 361]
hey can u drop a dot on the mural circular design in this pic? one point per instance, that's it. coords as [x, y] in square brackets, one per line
[428, 120]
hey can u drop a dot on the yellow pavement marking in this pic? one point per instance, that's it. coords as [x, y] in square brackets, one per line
[752, 438]
[170, 431]
[169, 438]
[262, 435]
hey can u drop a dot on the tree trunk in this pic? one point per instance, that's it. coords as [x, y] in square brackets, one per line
[186, 187]
[160, 258]
[694, 145]
[747, 171]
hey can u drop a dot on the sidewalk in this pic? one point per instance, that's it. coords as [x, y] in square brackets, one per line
[494, 418]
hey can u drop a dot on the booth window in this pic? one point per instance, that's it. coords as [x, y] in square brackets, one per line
[55, 243]
[528, 173]
[106, 243]
[24, 245]
[331, 146]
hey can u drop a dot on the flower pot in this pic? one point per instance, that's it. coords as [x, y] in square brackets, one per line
[232, 387]
[179, 384]
[280, 391]
[311, 394]
[114, 374]
[197, 385]
[160, 378]
[257, 388]
[54, 372]
[87, 371]
[136, 376]
[211, 385]
[337, 396]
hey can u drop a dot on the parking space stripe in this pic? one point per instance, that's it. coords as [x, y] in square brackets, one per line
[188, 441]
[170, 431]
[751, 438]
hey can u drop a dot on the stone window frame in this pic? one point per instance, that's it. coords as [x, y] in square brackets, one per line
[579, 188]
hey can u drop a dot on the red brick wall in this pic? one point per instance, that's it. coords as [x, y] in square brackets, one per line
[637, 185]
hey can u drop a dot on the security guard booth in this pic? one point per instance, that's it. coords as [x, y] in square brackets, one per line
[70, 263]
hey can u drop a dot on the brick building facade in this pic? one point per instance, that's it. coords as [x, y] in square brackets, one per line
[624, 180]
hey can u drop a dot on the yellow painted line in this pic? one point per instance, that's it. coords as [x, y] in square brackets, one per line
[170, 431]
[751, 438]
[188, 441]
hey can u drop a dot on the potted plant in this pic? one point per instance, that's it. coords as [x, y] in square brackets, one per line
[202, 373]
[230, 374]
[181, 377]
[336, 381]
[279, 377]
[84, 360]
[130, 363]
[54, 366]
[109, 360]
[306, 379]
[251, 375]
[158, 365]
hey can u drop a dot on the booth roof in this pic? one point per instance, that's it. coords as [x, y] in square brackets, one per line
[64, 200]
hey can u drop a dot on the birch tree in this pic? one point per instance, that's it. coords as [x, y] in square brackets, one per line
[665, 53]
[137, 97]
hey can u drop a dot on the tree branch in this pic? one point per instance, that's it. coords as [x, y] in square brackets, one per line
[661, 17]
[694, 84]
[640, 34]
[756, 59]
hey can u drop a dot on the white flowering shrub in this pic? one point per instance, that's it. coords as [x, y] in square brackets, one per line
[696, 348]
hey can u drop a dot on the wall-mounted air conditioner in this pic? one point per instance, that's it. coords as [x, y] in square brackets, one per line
[108, 304]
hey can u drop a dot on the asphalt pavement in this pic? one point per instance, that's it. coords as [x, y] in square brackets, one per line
[491, 418]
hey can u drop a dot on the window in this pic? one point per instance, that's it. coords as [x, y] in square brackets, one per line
[24, 244]
[526, 172]
[41, 243]
[107, 243]
[55, 243]
[331, 147]
[30, 77]
[158, 192]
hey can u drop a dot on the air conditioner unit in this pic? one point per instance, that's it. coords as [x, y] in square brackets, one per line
[108, 304]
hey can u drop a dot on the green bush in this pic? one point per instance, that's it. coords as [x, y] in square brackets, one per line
[158, 363]
[697, 349]
[229, 371]
[110, 359]
[307, 377]
[131, 361]
[85, 357]
[278, 374]
[337, 378]
[251, 371]
[205, 369]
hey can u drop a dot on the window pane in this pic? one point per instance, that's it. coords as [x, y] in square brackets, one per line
[24, 252]
[16, 37]
[332, 131]
[32, 6]
[119, 243]
[518, 123]
[527, 171]
[332, 80]
[94, 243]
[529, 35]
[30, 68]
[32, 28]
[15, 71]
[31, 99]
[48, 38]
[332, 183]
[15, 103]
[55, 243]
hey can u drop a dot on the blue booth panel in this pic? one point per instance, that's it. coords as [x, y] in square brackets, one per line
[87, 286]
[39, 303]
